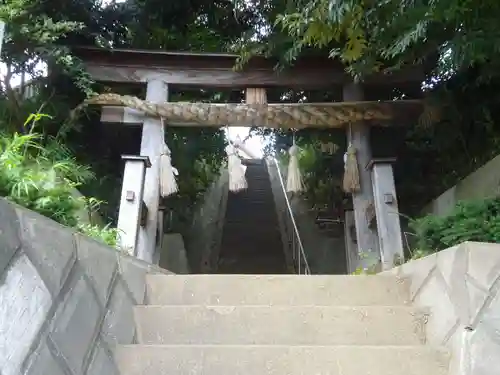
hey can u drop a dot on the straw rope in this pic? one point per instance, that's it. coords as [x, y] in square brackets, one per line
[323, 115]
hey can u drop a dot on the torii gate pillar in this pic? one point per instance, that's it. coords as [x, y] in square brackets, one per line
[2, 30]
[363, 201]
[152, 147]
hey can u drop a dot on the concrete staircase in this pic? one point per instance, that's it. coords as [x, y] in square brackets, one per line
[279, 325]
[251, 241]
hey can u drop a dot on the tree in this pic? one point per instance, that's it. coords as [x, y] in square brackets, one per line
[454, 40]
[449, 36]
[456, 44]
[41, 31]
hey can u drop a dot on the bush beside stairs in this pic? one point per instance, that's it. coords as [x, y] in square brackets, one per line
[280, 325]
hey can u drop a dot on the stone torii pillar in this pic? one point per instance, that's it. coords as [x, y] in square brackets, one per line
[2, 30]
[131, 202]
[363, 201]
[152, 146]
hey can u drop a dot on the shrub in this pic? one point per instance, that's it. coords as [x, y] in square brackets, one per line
[469, 221]
[41, 174]
[107, 234]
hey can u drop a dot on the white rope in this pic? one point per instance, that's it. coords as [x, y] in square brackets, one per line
[294, 181]
[351, 181]
[236, 170]
[168, 183]
[349, 143]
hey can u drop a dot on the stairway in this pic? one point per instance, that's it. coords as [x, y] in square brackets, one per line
[251, 241]
[279, 325]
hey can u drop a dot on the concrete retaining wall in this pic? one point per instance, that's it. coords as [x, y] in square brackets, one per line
[325, 255]
[173, 255]
[204, 237]
[65, 300]
[483, 183]
[461, 287]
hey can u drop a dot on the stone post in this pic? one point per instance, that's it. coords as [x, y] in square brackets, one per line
[386, 209]
[129, 216]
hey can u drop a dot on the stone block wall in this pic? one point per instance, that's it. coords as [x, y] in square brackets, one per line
[65, 299]
[461, 287]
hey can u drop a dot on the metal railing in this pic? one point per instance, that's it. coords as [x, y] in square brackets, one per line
[292, 232]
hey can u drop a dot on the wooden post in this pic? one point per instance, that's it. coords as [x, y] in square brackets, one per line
[152, 146]
[160, 236]
[366, 235]
[129, 216]
[350, 241]
[386, 208]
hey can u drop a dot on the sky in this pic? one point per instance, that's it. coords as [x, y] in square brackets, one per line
[255, 144]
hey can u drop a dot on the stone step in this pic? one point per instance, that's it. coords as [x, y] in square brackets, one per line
[266, 225]
[316, 290]
[264, 248]
[265, 209]
[259, 255]
[279, 325]
[281, 360]
[237, 263]
[263, 236]
[259, 192]
[259, 209]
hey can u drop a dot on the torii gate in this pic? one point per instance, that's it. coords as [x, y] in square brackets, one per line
[158, 69]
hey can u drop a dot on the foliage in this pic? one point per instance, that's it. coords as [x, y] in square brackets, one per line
[201, 25]
[41, 175]
[320, 177]
[469, 221]
[445, 34]
[106, 234]
[34, 39]
[372, 270]
[450, 35]
[40, 34]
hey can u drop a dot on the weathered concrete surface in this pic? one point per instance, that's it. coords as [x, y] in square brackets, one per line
[484, 182]
[9, 234]
[270, 325]
[205, 234]
[65, 300]
[296, 290]
[325, 254]
[281, 360]
[461, 287]
[280, 325]
[173, 254]
[24, 303]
